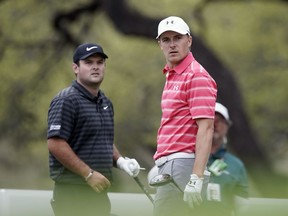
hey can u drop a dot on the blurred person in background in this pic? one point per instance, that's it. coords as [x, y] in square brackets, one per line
[185, 135]
[228, 179]
[80, 140]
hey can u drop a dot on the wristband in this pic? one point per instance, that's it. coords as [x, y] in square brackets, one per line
[89, 175]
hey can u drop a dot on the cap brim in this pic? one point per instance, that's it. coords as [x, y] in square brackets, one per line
[177, 31]
[95, 53]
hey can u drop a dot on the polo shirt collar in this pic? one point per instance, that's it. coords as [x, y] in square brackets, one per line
[182, 66]
[86, 93]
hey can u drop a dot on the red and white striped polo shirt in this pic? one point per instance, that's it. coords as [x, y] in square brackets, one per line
[189, 93]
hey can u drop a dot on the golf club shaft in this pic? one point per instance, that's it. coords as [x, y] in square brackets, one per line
[143, 189]
[177, 186]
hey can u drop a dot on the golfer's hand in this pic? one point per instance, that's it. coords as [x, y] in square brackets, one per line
[130, 166]
[192, 192]
[98, 182]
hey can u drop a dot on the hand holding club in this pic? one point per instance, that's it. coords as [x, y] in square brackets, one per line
[192, 192]
[130, 166]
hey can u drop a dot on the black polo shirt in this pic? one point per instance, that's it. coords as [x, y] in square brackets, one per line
[86, 122]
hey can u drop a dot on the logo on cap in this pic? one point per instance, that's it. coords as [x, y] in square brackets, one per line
[169, 22]
[90, 48]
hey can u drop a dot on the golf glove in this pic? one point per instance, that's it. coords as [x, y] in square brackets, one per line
[192, 192]
[130, 166]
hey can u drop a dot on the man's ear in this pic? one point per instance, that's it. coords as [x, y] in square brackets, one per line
[75, 68]
[190, 41]
[159, 43]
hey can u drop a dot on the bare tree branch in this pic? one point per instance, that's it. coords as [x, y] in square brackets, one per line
[132, 22]
[62, 20]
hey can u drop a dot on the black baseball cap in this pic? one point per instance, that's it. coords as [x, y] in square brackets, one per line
[85, 50]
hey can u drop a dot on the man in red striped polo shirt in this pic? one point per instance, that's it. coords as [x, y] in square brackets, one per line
[185, 134]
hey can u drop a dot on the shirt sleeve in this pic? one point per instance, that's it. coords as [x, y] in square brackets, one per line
[202, 93]
[61, 116]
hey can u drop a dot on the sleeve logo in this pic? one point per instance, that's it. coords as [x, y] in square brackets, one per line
[55, 127]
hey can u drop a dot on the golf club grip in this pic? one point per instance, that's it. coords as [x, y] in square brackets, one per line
[143, 189]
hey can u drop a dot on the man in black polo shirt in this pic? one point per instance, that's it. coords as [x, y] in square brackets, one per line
[80, 140]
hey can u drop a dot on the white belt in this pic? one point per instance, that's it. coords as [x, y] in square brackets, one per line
[162, 160]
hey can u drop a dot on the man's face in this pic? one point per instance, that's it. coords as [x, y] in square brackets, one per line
[221, 127]
[90, 71]
[175, 47]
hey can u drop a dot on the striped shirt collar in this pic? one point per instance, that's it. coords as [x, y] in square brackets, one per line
[180, 68]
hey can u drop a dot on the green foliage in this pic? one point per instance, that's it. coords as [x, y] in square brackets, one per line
[252, 40]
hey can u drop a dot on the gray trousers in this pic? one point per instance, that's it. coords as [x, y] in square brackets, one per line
[169, 199]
